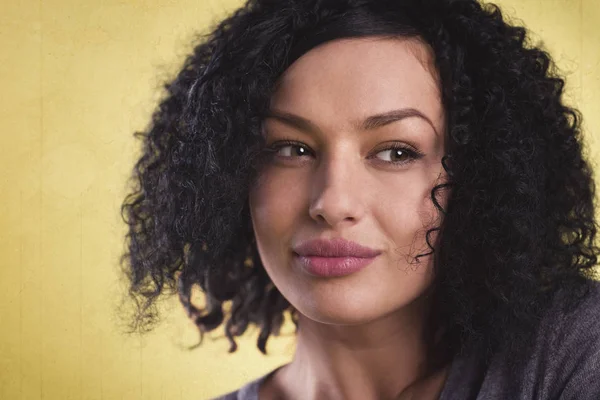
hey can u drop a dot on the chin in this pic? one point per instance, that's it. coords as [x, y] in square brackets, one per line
[341, 311]
[338, 319]
[341, 305]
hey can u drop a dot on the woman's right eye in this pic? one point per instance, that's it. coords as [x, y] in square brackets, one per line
[288, 149]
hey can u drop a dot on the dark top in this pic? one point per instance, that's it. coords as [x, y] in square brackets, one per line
[565, 364]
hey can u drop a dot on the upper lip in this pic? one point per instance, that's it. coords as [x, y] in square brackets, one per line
[337, 247]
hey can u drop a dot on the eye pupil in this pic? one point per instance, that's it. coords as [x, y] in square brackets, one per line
[300, 150]
[398, 152]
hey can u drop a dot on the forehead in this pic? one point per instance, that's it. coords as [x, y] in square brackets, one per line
[344, 80]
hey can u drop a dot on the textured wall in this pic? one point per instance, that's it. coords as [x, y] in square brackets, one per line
[77, 78]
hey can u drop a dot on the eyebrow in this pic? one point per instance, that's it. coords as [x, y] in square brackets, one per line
[369, 123]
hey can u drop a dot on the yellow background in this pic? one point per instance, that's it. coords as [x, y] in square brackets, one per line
[77, 79]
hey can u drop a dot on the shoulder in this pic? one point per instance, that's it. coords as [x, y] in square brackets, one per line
[572, 357]
[247, 392]
[565, 360]
[564, 363]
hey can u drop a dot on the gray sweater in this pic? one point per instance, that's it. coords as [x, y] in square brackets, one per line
[565, 365]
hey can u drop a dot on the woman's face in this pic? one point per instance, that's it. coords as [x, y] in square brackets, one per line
[344, 179]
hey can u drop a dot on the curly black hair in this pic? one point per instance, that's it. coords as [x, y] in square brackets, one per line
[519, 226]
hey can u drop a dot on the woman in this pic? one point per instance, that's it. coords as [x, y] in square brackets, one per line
[401, 176]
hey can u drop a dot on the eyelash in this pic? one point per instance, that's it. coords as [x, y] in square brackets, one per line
[412, 153]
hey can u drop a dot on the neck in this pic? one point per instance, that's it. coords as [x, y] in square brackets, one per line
[381, 359]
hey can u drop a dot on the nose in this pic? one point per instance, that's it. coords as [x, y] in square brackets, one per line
[337, 196]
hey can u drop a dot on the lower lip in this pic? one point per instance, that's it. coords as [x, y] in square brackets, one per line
[333, 266]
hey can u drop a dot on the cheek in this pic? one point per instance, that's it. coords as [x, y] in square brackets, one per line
[430, 216]
[275, 207]
[406, 212]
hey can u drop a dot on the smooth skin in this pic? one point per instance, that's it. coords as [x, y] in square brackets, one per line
[361, 335]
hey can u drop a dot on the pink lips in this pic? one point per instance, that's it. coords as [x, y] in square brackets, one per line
[335, 257]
